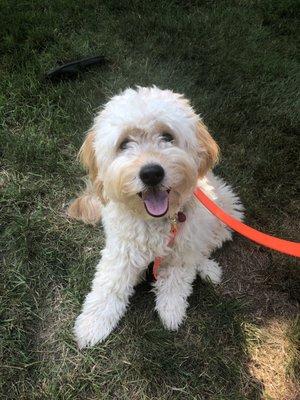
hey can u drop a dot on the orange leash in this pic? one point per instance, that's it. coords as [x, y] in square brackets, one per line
[284, 246]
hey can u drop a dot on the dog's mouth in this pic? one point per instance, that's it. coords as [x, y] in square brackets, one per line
[156, 201]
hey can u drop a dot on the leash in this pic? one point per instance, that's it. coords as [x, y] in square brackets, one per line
[272, 242]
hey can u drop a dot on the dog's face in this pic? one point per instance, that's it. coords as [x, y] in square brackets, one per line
[146, 150]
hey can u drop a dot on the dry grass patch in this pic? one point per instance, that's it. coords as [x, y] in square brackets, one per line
[271, 354]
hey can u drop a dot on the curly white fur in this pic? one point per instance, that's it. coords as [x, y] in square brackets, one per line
[133, 237]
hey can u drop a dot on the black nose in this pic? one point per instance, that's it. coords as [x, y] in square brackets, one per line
[152, 174]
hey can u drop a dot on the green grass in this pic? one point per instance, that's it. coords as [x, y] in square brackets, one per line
[236, 61]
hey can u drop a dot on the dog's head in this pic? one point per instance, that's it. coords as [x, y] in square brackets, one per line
[147, 149]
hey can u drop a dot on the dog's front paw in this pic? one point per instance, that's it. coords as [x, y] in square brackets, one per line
[89, 329]
[210, 270]
[171, 313]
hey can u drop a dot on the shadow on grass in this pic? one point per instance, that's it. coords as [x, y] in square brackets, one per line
[207, 358]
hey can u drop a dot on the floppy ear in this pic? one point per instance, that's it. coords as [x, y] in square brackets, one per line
[208, 149]
[87, 157]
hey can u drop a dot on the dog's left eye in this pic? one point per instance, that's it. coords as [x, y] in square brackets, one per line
[167, 137]
[123, 145]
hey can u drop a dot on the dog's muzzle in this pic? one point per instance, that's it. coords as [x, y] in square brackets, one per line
[156, 200]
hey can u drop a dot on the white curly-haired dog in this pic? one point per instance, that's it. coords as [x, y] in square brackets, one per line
[146, 153]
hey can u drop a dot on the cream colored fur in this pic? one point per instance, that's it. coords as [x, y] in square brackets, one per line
[133, 237]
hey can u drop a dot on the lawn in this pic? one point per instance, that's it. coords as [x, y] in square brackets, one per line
[237, 62]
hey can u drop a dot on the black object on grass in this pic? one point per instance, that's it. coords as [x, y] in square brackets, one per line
[72, 69]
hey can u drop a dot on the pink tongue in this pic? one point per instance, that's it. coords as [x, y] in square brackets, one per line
[157, 203]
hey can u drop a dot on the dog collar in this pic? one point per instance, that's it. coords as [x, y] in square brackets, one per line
[175, 222]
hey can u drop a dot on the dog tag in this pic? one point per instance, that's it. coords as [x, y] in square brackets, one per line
[181, 216]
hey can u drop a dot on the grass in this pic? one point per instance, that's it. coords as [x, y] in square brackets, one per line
[236, 61]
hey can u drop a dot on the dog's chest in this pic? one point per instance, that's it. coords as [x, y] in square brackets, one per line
[147, 236]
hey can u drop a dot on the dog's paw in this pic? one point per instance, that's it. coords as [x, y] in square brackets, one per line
[89, 329]
[171, 313]
[211, 271]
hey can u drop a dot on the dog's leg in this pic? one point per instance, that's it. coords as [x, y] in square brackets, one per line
[210, 270]
[173, 286]
[106, 303]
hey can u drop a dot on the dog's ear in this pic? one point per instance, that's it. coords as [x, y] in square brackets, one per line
[208, 149]
[87, 157]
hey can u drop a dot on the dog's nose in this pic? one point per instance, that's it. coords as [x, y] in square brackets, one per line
[152, 174]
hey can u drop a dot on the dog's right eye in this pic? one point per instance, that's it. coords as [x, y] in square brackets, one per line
[123, 145]
[167, 137]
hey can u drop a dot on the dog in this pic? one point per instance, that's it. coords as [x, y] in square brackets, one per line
[145, 154]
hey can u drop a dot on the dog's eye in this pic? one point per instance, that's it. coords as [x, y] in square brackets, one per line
[167, 137]
[123, 145]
